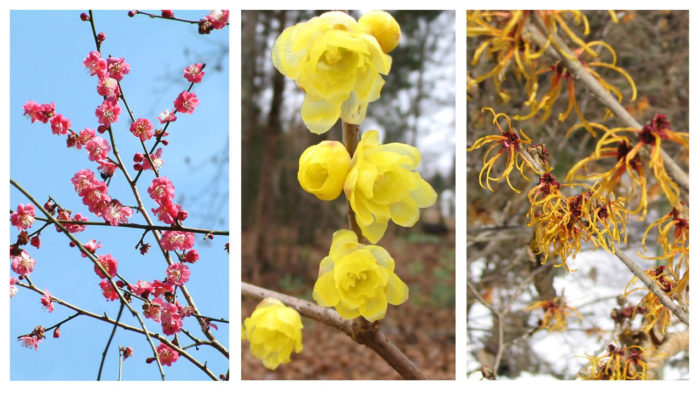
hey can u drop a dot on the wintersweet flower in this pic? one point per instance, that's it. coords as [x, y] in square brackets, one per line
[98, 149]
[23, 218]
[358, 280]
[115, 213]
[186, 102]
[383, 27]
[323, 168]
[217, 18]
[108, 291]
[13, 288]
[383, 184]
[194, 73]
[142, 128]
[30, 341]
[336, 64]
[23, 264]
[47, 301]
[107, 262]
[172, 240]
[59, 125]
[166, 354]
[95, 64]
[178, 274]
[108, 112]
[274, 331]
[117, 68]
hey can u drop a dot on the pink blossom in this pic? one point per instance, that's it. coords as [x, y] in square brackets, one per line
[108, 112]
[172, 240]
[153, 310]
[83, 181]
[31, 110]
[98, 149]
[168, 212]
[107, 262]
[107, 168]
[30, 341]
[161, 190]
[108, 291]
[46, 301]
[108, 87]
[95, 64]
[76, 228]
[60, 125]
[40, 112]
[97, 198]
[178, 274]
[92, 247]
[167, 116]
[141, 287]
[194, 73]
[166, 354]
[170, 319]
[217, 18]
[23, 218]
[23, 264]
[192, 256]
[186, 102]
[142, 128]
[156, 159]
[117, 68]
[13, 288]
[115, 213]
[81, 140]
[159, 288]
[35, 241]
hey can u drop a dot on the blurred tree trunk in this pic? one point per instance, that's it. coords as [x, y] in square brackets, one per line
[264, 204]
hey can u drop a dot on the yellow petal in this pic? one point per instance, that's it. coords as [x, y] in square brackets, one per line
[319, 115]
[325, 293]
[396, 290]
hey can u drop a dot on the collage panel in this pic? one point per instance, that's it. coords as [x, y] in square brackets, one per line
[578, 195]
[348, 128]
[118, 195]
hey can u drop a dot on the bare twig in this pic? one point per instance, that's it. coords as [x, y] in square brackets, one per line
[359, 330]
[143, 226]
[109, 342]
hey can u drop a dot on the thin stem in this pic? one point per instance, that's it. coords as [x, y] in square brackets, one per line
[351, 138]
[359, 330]
[156, 16]
[109, 342]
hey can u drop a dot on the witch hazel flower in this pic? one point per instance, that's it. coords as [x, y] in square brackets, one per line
[142, 128]
[13, 288]
[117, 68]
[194, 72]
[23, 218]
[30, 341]
[95, 64]
[47, 301]
[108, 87]
[59, 124]
[23, 264]
[98, 149]
[172, 240]
[107, 262]
[115, 213]
[186, 102]
[108, 291]
[167, 116]
[177, 274]
[108, 112]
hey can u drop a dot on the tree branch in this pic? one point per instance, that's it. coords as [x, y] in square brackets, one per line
[143, 226]
[359, 330]
[109, 342]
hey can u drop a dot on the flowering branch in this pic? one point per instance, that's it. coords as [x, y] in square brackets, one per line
[141, 226]
[105, 318]
[364, 333]
[562, 52]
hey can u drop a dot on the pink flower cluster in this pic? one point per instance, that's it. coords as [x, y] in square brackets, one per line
[109, 264]
[64, 214]
[108, 72]
[217, 18]
[177, 274]
[166, 354]
[97, 199]
[186, 102]
[23, 218]
[40, 112]
[13, 288]
[23, 264]
[172, 240]
[162, 192]
[194, 73]
[47, 301]
[108, 291]
[141, 163]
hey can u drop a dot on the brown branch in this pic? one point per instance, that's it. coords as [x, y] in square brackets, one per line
[109, 342]
[351, 138]
[360, 330]
[142, 226]
[125, 326]
[675, 343]
[562, 52]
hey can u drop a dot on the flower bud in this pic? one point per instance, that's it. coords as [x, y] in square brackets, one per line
[57, 332]
[84, 17]
[383, 27]
[323, 168]
[274, 331]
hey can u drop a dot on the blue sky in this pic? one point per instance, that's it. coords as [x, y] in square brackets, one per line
[46, 53]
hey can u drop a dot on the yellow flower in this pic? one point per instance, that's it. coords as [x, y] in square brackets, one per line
[358, 280]
[383, 27]
[323, 168]
[274, 331]
[382, 184]
[336, 64]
